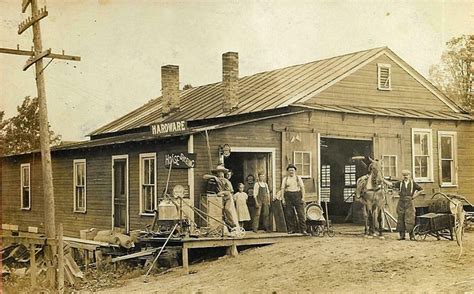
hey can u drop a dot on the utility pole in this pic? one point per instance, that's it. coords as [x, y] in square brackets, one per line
[36, 58]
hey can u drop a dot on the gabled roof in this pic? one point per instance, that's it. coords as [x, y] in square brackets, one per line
[264, 91]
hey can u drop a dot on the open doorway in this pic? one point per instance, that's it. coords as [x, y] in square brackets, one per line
[339, 173]
[246, 161]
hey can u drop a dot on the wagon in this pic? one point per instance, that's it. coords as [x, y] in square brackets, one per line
[440, 221]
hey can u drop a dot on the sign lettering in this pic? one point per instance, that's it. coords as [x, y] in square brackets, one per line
[180, 160]
[168, 128]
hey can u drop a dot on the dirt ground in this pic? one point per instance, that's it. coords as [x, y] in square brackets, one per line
[346, 263]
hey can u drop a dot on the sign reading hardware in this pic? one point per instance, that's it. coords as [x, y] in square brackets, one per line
[180, 160]
[169, 127]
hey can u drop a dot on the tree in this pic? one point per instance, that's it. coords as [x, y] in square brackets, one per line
[21, 132]
[187, 86]
[454, 75]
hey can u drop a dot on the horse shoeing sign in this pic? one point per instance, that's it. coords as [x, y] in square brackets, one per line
[180, 160]
[168, 127]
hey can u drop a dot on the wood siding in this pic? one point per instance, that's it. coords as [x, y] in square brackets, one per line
[99, 186]
[264, 134]
[360, 89]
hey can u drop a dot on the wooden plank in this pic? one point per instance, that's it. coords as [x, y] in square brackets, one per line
[185, 259]
[89, 242]
[60, 260]
[33, 269]
[37, 16]
[31, 53]
[136, 254]
[24, 240]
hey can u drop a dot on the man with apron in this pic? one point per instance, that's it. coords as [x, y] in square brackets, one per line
[262, 203]
[409, 190]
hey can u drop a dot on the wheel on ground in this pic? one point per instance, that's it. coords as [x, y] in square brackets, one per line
[331, 232]
[320, 231]
[312, 230]
[419, 235]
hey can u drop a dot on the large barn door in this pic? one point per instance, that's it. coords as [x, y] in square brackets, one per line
[389, 150]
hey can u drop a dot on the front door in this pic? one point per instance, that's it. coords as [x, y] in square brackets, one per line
[120, 194]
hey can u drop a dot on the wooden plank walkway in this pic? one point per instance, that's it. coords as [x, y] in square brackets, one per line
[231, 243]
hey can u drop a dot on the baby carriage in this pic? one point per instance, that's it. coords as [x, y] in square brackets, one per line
[317, 224]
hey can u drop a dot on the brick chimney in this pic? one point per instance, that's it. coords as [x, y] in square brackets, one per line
[230, 81]
[170, 88]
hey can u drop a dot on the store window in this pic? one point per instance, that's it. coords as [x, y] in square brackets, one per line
[302, 161]
[325, 194]
[422, 155]
[147, 183]
[349, 182]
[25, 186]
[389, 164]
[447, 146]
[80, 185]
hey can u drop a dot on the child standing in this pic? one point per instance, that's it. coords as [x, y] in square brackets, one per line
[240, 199]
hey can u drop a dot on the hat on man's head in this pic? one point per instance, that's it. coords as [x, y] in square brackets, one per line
[406, 172]
[291, 165]
[220, 168]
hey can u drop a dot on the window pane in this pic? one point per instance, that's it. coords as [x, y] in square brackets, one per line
[26, 197]
[80, 198]
[446, 171]
[306, 158]
[393, 161]
[446, 147]
[393, 172]
[26, 176]
[306, 170]
[146, 171]
[421, 166]
[152, 171]
[421, 144]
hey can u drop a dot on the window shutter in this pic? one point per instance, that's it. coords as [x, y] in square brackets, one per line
[384, 77]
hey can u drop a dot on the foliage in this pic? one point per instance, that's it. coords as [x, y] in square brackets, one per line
[453, 75]
[187, 86]
[21, 132]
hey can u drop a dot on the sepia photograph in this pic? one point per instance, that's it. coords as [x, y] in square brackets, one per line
[266, 146]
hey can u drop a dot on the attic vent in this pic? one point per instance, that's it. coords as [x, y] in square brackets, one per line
[384, 77]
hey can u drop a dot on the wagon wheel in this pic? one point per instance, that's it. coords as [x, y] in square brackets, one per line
[239, 232]
[319, 231]
[331, 232]
[313, 230]
[417, 232]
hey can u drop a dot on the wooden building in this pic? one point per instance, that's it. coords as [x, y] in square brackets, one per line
[317, 115]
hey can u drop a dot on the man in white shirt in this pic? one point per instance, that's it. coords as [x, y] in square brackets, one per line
[293, 189]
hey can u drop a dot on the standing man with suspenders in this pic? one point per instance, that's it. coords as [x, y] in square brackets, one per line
[293, 188]
[405, 207]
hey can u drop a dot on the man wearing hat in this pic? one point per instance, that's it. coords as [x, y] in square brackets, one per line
[408, 190]
[292, 187]
[225, 190]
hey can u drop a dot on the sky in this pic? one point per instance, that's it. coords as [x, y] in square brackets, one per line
[124, 43]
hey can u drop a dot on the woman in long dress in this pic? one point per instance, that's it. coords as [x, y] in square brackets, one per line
[240, 199]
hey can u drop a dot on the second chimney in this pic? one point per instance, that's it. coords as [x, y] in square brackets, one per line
[230, 81]
[170, 88]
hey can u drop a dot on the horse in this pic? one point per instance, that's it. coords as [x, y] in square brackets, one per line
[370, 189]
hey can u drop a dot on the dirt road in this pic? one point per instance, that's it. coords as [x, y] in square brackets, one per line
[345, 263]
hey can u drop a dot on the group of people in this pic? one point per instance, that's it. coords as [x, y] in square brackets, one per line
[254, 203]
